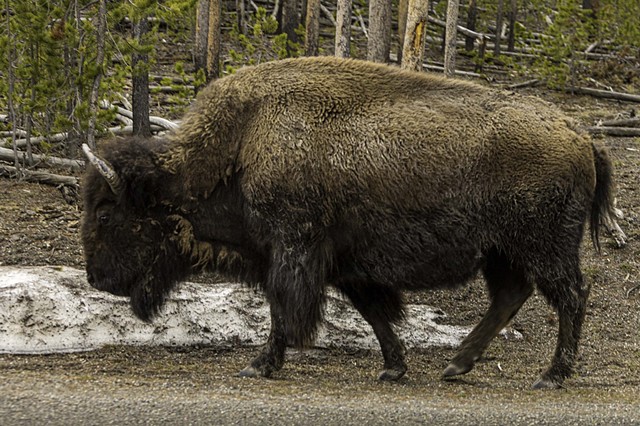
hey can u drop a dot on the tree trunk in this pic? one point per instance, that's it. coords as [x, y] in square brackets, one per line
[201, 36]
[379, 43]
[416, 35]
[450, 38]
[592, 7]
[241, 19]
[312, 28]
[290, 20]
[140, 80]
[343, 29]
[472, 15]
[101, 28]
[496, 47]
[11, 83]
[213, 40]
[513, 14]
[403, 9]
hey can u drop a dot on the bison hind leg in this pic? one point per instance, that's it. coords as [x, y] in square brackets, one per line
[566, 290]
[508, 289]
[380, 306]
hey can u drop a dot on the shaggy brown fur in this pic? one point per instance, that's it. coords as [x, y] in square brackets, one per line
[322, 171]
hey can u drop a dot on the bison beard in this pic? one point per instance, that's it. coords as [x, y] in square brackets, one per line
[299, 174]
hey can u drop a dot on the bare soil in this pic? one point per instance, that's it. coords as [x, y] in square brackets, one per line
[38, 227]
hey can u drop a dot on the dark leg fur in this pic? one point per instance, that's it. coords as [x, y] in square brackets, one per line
[272, 356]
[508, 290]
[567, 292]
[296, 286]
[380, 306]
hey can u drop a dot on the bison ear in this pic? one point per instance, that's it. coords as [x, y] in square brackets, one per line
[105, 169]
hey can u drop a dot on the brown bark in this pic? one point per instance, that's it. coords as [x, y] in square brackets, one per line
[140, 81]
[450, 38]
[343, 29]
[415, 37]
[471, 24]
[101, 26]
[379, 43]
[201, 35]
[289, 19]
[312, 28]
[513, 13]
[403, 10]
[213, 40]
[496, 47]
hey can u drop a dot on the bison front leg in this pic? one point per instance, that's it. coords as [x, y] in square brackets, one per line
[295, 290]
[272, 356]
[380, 306]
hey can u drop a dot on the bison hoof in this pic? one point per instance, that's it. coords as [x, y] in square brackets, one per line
[454, 369]
[546, 383]
[390, 375]
[251, 371]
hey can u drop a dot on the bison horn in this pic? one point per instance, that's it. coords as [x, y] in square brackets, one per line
[105, 169]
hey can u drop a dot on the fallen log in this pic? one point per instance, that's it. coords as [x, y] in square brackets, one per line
[75, 165]
[529, 83]
[613, 131]
[21, 143]
[627, 122]
[158, 121]
[40, 177]
[604, 94]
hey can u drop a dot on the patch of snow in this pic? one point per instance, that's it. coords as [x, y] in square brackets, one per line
[53, 309]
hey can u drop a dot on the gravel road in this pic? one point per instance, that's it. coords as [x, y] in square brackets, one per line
[153, 386]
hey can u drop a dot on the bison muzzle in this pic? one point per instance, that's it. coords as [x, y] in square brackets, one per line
[298, 174]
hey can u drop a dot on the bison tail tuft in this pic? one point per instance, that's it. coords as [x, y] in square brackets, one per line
[603, 210]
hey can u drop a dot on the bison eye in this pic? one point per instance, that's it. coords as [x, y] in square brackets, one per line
[104, 218]
[103, 214]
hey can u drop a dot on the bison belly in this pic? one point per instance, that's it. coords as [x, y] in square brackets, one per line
[409, 253]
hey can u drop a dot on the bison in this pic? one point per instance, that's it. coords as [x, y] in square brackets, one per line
[299, 174]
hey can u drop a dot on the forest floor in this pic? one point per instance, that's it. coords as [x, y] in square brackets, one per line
[198, 385]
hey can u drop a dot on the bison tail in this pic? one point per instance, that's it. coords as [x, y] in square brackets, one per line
[603, 210]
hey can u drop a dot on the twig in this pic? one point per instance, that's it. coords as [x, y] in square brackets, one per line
[632, 289]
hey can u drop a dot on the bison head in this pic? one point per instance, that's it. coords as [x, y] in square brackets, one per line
[128, 227]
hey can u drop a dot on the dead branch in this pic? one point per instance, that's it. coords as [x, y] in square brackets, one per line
[157, 121]
[58, 137]
[127, 130]
[43, 160]
[529, 83]
[169, 89]
[604, 94]
[327, 13]
[40, 177]
[627, 122]
[461, 29]
[613, 131]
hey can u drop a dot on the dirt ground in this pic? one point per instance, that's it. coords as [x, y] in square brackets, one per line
[37, 227]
